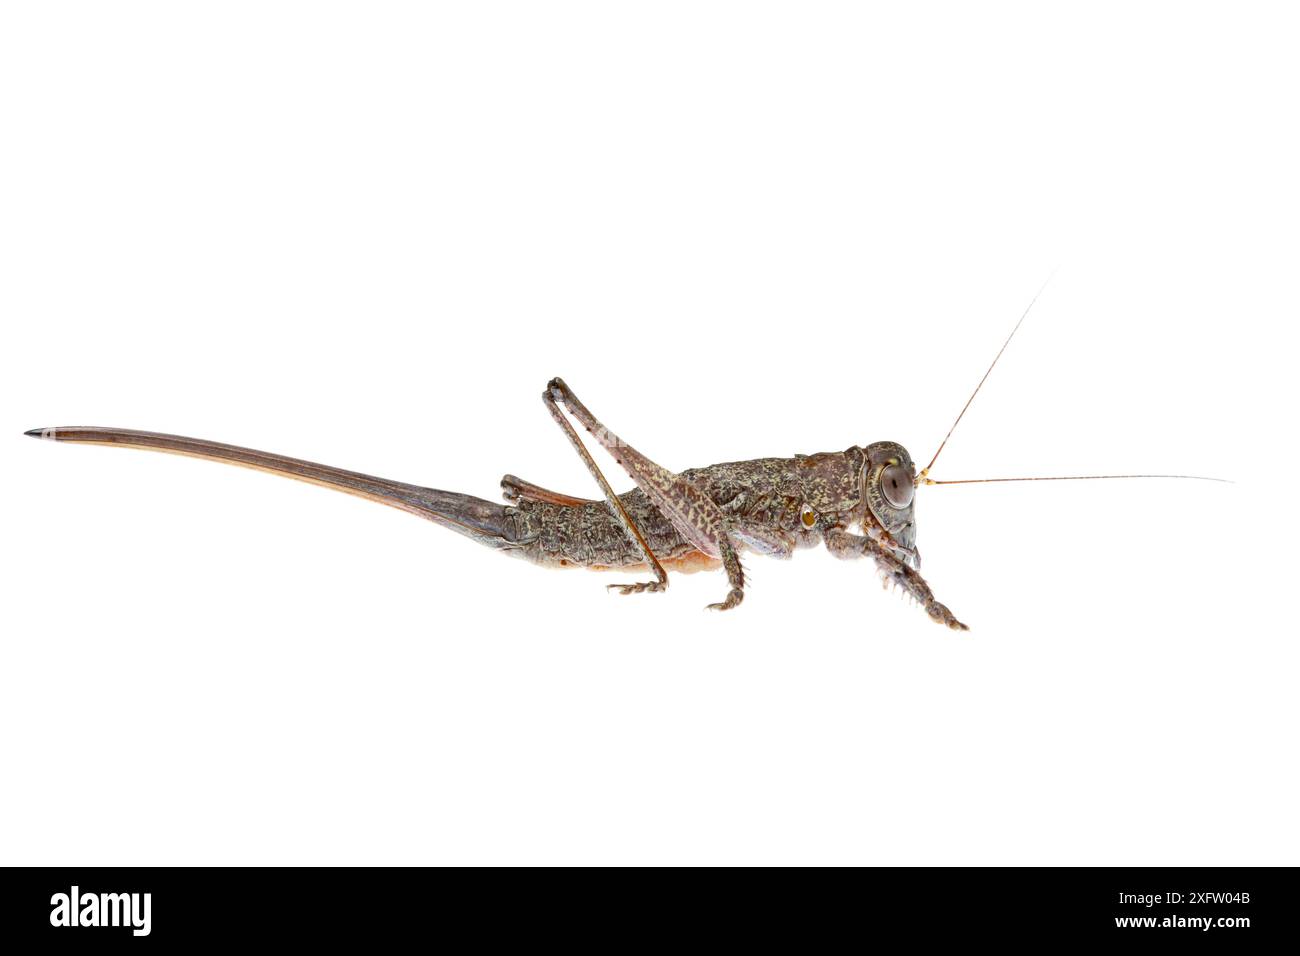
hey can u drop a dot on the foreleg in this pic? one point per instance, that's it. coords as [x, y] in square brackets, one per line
[846, 545]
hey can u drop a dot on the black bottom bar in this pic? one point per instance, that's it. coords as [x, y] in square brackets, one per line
[1226, 907]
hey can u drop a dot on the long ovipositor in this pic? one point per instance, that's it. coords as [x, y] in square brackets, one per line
[473, 517]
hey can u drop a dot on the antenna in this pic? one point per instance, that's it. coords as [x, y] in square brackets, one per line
[982, 481]
[926, 470]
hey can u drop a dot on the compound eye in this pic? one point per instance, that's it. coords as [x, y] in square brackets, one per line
[896, 484]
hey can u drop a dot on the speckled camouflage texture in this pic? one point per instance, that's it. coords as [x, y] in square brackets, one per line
[685, 521]
[766, 500]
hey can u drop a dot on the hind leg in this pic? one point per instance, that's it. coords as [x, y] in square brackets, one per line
[694, 514]
[634, 533]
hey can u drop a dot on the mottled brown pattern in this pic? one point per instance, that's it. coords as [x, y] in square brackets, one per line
[768, 492]
[690, 520]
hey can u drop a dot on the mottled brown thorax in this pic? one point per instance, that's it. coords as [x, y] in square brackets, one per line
[774, 493]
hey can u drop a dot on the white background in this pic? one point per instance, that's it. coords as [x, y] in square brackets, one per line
[367, 234]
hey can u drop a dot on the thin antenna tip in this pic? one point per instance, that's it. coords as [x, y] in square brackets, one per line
[962, 414]
[993, 481]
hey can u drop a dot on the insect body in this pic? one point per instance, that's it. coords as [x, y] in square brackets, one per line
[697, 519]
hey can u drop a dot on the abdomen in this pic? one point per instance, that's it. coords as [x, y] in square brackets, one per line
[589, 536]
